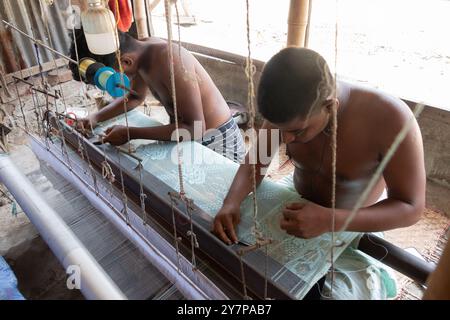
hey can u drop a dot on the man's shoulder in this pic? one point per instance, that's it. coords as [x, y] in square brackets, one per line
[378, 116]
[376, 104]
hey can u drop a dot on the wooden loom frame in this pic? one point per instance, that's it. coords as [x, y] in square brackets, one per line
[221, 257]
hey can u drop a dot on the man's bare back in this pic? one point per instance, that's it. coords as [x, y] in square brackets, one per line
[154, 72]
[366, 128]
[296, 97]
[200, 105]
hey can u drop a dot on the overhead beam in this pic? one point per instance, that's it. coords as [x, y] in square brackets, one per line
[297, 23]
[140, 17]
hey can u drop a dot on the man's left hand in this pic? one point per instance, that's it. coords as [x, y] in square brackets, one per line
[116, 135]
[306, 220]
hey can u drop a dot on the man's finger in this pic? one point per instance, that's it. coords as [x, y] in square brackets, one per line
[218, 231]
[290, 227]
[79, 125]
[290, 214]
[286, 224]
[295, 205]
[106, 138]
[230, 230]
[236, 219]
[108, 130]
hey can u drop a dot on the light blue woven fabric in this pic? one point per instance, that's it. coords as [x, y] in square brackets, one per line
[207, 178]
[8, 283]
[357, 275]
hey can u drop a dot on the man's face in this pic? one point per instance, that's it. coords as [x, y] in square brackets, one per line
[301, 130]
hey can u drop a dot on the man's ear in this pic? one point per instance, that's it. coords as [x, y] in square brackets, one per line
[333, 103]
[127, 61]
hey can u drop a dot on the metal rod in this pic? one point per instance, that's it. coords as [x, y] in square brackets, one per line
[36, 89]
[95, 283]
[121, 86]
[40, 42]
[22, 80]
[45, 92]
[396, 258]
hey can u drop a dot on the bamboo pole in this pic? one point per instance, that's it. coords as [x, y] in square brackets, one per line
[149, 18]
[297, 23]
[140, 17]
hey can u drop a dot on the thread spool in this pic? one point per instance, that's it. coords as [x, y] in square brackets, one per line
[109, 80]
[105, 78]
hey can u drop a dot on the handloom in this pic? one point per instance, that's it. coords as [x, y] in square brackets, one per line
[146, 195]
[294, 265]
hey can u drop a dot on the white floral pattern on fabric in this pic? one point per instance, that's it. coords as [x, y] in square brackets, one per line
[207, 179]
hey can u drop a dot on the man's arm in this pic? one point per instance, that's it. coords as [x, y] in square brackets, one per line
[405, 182]
[189, 105]
[117, 107]
[229, 215]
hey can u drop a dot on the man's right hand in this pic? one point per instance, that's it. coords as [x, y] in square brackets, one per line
[225, 222]
[86, 125]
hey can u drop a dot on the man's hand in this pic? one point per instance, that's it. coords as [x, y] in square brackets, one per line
[116, 135]
[225, 222]
[306, 220]
[86, 125]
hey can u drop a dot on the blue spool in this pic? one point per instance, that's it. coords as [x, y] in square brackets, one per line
[113, 81]
[97, 76]
[107, 79]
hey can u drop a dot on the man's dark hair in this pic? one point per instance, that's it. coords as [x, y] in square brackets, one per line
[294, 83]
[127, 44]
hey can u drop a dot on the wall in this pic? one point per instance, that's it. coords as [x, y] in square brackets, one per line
[16, 51]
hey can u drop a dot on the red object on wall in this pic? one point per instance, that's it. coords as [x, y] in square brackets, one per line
[125, 16]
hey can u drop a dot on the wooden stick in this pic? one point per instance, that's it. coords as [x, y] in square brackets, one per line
[140, 17]
[297, 23]
[29, 72]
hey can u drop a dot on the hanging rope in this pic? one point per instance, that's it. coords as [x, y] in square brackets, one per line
[124, 195]
[107, 172]
[188, 202]
[168, 14]
[177, 239]
[334, 128]
[142, 195]
[119, 62]
[260, 240]
[81, 145]
[250, 71]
